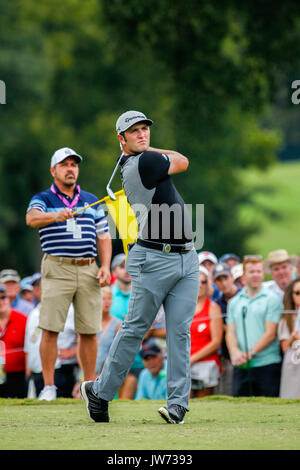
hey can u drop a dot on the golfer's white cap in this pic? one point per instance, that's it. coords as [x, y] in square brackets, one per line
[62, 154]
[129, 118]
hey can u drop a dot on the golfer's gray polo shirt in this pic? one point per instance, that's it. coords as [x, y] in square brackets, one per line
[159, 209]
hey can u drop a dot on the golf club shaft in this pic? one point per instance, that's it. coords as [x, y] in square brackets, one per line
[107, 188]
[90, 205]
[114, 172]
[244, 312]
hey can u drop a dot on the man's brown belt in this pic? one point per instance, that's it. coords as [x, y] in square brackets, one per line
[79, 261]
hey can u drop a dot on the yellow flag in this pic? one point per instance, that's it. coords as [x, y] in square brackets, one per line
[123, 217]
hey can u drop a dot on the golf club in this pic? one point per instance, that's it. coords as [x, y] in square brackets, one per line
[244, 312]
[109, 191]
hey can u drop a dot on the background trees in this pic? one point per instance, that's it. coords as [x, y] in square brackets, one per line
[207, 75]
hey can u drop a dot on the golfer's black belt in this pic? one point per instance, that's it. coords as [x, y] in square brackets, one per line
[166, 247]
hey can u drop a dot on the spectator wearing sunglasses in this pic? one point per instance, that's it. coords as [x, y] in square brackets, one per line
[206, 339]
[12, 356]
[289, 337]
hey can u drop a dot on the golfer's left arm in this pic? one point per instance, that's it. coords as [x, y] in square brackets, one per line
[104, 248]
[178, 162]
[267, 338]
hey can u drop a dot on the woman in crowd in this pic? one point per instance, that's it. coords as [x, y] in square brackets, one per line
[206, 338]
[289, 337]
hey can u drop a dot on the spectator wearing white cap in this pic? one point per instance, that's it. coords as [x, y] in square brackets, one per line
[280, 266]
[209, 260]
[70, 274]
[10, 278]
[238, 275]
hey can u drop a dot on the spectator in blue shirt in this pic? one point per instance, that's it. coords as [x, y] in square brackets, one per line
[152, 383]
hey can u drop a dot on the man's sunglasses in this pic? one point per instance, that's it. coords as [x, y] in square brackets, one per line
[247, 257]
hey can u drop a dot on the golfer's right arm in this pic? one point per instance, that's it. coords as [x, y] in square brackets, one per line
[37, 219]
[178, 162]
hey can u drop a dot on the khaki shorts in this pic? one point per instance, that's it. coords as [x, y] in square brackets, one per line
[64, 283]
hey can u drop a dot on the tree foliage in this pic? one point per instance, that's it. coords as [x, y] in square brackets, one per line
[206, 74]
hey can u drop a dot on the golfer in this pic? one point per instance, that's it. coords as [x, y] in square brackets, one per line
[164, 269]
[69, 271]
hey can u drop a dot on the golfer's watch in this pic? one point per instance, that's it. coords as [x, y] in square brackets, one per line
[253, 352]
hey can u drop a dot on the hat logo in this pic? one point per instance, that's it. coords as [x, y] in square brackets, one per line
[68, 152]
[128, 119]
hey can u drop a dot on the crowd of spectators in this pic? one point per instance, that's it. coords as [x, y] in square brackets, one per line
[245, 335]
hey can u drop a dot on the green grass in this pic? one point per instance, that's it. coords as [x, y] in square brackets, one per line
[213, 423]
[281, 199]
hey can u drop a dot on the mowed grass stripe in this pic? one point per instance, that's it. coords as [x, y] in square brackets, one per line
[213, 423]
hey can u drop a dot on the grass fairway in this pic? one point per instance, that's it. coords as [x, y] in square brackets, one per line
[213, 423]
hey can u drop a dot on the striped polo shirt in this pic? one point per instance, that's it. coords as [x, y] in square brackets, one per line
[56, 239]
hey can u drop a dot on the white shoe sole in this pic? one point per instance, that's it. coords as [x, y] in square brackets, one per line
[84, 396]
[165, 415]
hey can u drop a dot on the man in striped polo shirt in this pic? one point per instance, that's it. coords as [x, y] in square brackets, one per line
[69, 271]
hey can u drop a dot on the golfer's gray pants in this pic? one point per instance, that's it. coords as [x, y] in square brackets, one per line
[171, 279]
